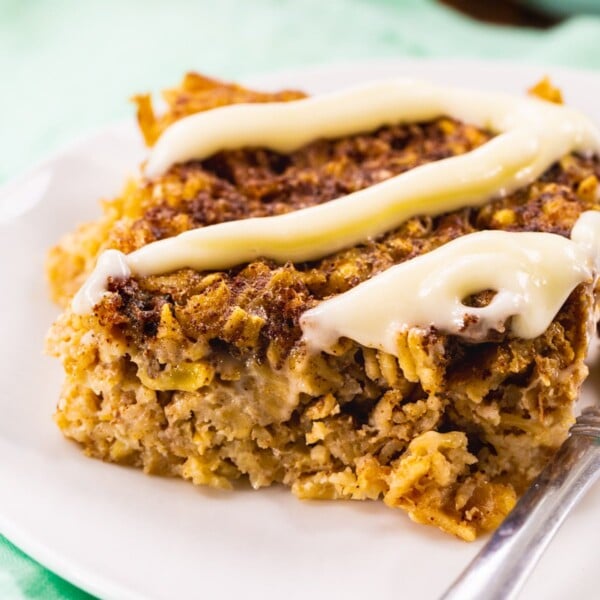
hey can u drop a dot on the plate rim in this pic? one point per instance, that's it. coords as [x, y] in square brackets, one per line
[94, 582]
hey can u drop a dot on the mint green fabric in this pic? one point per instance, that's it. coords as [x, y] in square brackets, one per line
[68, 66]
[22, 578]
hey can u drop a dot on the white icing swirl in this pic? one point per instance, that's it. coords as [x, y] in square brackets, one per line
[528, 270]
[111, 263]
[287, 126]
[532, 273]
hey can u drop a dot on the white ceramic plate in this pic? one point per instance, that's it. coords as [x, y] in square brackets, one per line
[120, 534]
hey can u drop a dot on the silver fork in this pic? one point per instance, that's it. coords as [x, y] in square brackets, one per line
[502, 566]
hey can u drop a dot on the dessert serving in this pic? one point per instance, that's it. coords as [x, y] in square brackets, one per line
[385, 292]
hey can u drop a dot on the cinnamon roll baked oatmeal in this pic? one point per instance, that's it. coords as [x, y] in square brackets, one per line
[382, 293]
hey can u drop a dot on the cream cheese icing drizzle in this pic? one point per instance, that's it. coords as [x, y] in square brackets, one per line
[111, 263]
[287, 126]
[533, 135]
[532, 273]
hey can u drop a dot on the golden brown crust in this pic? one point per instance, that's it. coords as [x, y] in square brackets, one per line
[252, 183]
[545, 90]
[277, 295]
[197, 93]
[204, 376]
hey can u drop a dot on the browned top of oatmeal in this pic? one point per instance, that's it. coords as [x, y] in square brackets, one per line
[256, 182]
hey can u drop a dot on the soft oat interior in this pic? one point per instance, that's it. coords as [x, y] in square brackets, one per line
[204, 375]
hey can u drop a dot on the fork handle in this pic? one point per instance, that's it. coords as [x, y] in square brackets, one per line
[502, 566]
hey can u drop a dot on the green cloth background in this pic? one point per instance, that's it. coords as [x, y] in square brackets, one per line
[67, 66]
